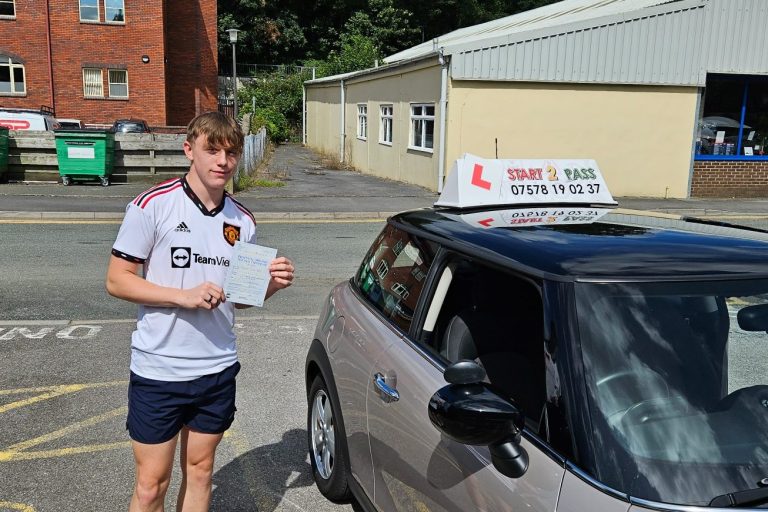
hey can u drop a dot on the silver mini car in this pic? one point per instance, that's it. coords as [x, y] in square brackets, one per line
[561, 358]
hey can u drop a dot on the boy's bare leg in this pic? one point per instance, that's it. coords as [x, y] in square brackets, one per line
[198, 451]
[154, 463]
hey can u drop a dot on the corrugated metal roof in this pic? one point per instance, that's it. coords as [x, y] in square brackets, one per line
[648, 42]
[676, 43]
[557, 14]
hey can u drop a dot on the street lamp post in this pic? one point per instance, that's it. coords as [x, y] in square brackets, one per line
[233, 39]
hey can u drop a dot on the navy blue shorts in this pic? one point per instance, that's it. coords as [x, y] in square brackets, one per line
[157, 410]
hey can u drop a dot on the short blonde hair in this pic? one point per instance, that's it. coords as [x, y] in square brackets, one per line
[220, 130]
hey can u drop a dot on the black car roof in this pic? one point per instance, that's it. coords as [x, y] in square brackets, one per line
[619, 245]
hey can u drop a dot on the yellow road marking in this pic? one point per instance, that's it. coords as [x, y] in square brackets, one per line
[63, 452]
[20, 451]
[16, 506]
[71, 221]
[50, 392]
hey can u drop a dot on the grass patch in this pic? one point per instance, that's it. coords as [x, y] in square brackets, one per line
[245, 182]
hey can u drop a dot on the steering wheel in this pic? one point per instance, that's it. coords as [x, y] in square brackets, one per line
[619, 391]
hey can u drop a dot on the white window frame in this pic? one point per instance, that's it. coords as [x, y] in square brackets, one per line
[93, 85]
[110, 83]
[110, 21]
[80, 12]
[419, 124]
[9, 16]
[386, 128]
[362, 121]
[7, 61]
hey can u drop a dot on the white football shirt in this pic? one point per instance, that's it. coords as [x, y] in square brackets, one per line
[182, 244]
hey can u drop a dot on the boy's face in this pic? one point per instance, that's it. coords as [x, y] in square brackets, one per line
[214, 166]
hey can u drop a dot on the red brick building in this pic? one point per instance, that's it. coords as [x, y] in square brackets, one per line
[99, 60]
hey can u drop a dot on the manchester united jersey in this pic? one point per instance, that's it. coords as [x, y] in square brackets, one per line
[182, 244]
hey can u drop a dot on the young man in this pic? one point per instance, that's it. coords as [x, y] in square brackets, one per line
[183, 354]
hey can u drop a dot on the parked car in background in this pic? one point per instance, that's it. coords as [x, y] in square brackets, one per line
[28, 119]
[71, 124]
[130, 126]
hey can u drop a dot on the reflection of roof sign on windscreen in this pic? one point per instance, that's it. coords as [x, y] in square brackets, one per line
[533, 217]
[475, 181]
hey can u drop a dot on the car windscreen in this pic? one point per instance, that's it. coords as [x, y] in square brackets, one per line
[677, 386]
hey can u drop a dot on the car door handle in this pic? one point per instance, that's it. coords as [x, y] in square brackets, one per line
[386, 393]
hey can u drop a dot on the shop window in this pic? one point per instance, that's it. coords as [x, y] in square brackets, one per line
[118, 83]
[362, 122]
[734, 120]
[7, 8]
[12, 79]
[93, 86]
[385, 133]
[423, 126]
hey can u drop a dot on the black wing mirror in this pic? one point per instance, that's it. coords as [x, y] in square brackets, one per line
[753, 318]
[471, 411]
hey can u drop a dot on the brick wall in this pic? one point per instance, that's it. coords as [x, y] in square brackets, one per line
[192, 66]
[178, 81]
[25, 40]
[730, 179]
[77, 44]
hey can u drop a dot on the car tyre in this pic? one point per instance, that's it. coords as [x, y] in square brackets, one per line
[327, 448]
[66, 181]
[104, 181]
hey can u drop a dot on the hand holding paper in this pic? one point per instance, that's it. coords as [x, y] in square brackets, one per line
[249, 276]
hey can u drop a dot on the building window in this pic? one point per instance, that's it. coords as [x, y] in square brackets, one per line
[734, 119]
[423, 126]
[118, 83]
[89, 10]
[385, 134]
[93, 85]
[362, 122]
[12, 79]
[114, 11]
[7, 8]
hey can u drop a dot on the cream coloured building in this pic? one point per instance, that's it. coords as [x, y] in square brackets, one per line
[669, 97]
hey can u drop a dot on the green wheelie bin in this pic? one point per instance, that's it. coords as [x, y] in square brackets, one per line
[3, 153]
[85, 155]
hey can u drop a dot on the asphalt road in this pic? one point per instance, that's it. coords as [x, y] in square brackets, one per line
[63, 373]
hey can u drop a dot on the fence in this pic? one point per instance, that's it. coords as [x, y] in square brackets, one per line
[253, 153]
[138, 156]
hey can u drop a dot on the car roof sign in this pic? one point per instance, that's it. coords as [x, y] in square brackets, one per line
[475, 181]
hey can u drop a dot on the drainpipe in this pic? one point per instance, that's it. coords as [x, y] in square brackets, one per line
[343, 121]
[443, 120]
[303, 114]
[50, 58]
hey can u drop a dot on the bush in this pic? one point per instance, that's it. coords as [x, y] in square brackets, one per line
[278, 99]
[274, 121]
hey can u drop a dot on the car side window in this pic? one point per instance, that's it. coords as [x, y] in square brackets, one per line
[393, 273]
[496, 319]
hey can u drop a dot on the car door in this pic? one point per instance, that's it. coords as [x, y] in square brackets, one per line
[418, 468]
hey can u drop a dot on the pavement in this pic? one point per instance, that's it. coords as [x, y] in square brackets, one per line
[311, 191]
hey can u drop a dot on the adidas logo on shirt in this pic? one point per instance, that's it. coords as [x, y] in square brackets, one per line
[182, 228]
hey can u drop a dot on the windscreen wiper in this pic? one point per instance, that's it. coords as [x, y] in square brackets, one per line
[755, 497]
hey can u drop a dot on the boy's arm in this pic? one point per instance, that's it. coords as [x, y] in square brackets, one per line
[124, 282]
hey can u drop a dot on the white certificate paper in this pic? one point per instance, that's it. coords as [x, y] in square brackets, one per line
[248, 275]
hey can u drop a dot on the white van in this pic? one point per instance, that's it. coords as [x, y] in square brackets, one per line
[27, 119]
